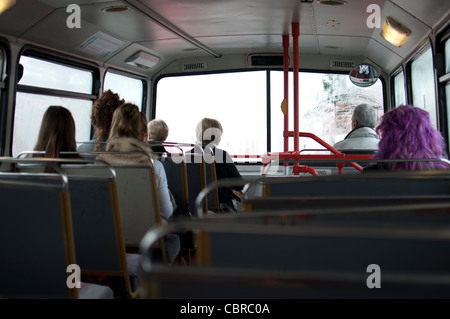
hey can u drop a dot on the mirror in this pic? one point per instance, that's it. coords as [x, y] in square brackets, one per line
[364, 75]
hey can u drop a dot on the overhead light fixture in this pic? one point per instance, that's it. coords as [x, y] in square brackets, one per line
[115, 9]
[6, 4]
[143, 60]
[332, 2]
[394, 32]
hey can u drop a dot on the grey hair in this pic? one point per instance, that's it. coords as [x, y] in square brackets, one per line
[365, 115]
[209, 132]
[157, 130]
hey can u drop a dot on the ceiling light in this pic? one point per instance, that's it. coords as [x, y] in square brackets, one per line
[394, 32]
[115, 9]
[332, 2]
[6, 4]
[143, 60]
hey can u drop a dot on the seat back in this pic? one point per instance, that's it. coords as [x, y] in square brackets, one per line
[322, 259]
[196, 176]
[97, 223]
[211, 177]
[36, 232]
[139, 202]
[177, 181]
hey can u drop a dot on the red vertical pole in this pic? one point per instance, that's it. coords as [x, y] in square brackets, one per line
[296, 35]
[286, 91]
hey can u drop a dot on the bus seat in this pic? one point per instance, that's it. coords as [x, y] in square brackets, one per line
[40, 245]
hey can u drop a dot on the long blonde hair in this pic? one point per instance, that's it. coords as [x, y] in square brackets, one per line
[128, 121]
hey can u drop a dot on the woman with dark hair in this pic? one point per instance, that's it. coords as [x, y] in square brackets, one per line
[101, 117]
[56, 135]
[407, 133]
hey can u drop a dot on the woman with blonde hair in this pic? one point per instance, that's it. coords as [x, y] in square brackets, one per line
[129, 134]
[209, 134]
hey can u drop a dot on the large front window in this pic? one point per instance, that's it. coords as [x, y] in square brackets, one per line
[246, 108]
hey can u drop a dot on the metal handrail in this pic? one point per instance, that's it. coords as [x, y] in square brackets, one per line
[44, 161]
[70, 160]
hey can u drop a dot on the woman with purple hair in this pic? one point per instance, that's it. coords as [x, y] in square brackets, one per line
[407, 133]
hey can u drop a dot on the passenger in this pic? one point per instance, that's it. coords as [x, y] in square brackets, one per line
[157, 132]
[363, 135]
[101, 117]
[56, 134]
[407, 133]
[129, 134]
[209, 134]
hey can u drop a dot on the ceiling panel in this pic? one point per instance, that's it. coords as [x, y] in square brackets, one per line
[427, 11]
[17, 19]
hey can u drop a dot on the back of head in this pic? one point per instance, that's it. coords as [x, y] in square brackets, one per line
[209, 132]
[407, 133]
[157, 131]
[365, 115]
[128, 121]
[57, 132]
[102, 113]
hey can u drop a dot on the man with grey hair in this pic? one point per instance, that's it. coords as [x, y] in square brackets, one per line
[157, 133]
[363, 137]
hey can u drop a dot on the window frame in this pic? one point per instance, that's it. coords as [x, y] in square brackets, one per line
[392, 83]
[268, 92]
[143, 79]
[423, 48]
[67, 61]
[4, 89]
[442, 82]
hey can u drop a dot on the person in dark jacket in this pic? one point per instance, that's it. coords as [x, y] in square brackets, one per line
[209, 133]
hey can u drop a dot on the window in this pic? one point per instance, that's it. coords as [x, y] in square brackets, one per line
[399, 89]
[423, 84]
[326, 106]
[447, 94]
[240, 102]
[447, 56]
[447, 84]
[130, 89]
[46, 83]
[2, 92]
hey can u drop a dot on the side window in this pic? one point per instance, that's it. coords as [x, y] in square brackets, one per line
[423, 84]
[46, 83]
[130, 89]
[399, 89]
[447, 87]
[2, 92]
[447, 56]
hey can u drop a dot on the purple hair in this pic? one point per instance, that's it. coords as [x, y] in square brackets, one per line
[407, 133]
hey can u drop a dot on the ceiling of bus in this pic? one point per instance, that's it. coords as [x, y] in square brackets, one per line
[187, 29]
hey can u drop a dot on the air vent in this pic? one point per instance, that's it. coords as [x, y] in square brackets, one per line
[342, 65]
[195, 66]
